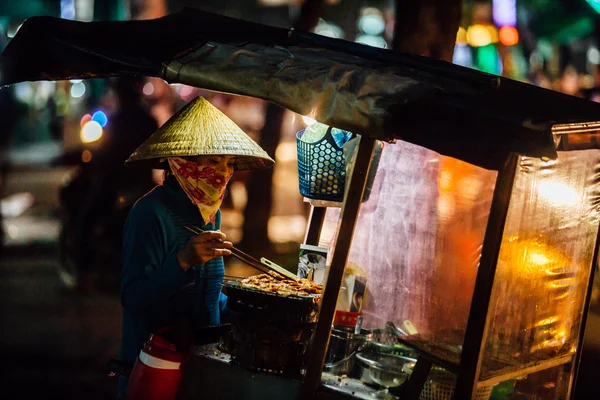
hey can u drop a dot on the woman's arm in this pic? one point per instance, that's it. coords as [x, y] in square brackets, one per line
[151, 274]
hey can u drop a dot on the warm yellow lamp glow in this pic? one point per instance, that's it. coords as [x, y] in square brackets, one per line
[493, 33]
[558, 194]
[445, 181]
[90, 132]
[546, 290]
[86, 156]
[538, 259]
[286, 152]
[461, 36]
[478, 36]
[532, 257]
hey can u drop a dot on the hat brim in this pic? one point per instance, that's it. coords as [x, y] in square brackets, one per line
[243, 163]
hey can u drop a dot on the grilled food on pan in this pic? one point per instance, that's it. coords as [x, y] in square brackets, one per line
[268, 284]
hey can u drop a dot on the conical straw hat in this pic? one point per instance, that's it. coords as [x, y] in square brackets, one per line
[200, 129]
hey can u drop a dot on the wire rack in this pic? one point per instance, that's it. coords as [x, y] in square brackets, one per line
[440, 383]
[440, 386]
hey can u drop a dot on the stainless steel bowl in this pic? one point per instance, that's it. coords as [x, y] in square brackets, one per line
[383, 369]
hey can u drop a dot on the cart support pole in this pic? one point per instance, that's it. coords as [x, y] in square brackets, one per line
[335, 271]
[475, 336]
[586, 309]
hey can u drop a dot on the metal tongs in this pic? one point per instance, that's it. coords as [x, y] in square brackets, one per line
[265, 266]
[395, 330]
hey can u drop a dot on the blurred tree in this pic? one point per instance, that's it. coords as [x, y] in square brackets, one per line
[559, 23]
[560, 20]
[427, 27]
[260, 183]
[21, 10]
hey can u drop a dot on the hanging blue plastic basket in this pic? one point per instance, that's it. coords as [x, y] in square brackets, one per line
[321, 168]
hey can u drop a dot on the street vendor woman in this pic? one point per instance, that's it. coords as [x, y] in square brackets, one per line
[168, 273]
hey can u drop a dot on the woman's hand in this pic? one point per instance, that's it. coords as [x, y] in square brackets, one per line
[203, 248]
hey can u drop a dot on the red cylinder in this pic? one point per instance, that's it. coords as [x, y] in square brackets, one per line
[157, 371]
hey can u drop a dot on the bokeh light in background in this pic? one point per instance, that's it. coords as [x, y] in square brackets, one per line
[370, 40]
[461, 36]
[519, 63]
[329, 29]
[86, 156]
[488, 59]
[593, 55]
[24, 92]
[286, 152]
[44, 90]
[509, 36]
[67, 9]
[595, 5]
[91, 131]
[186, 92]
[372, 23]
[148, 89]
[493, 33]
[476, 44]
[84, 119]
[101, 118]
[34, 94]
[462, 56]
[478, 36]
[77, 90]
[569, 81]
[505, 12]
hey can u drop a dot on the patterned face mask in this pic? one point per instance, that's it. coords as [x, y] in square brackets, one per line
[204, 185]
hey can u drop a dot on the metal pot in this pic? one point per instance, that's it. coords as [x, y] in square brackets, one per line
[343, 346]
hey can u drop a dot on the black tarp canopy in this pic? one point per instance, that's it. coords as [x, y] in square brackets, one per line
[455, 111]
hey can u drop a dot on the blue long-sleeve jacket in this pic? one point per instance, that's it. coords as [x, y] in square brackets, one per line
[155, 290]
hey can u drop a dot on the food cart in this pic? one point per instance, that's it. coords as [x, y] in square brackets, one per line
[479, 234]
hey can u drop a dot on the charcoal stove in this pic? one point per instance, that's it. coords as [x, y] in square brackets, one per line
[270, 332]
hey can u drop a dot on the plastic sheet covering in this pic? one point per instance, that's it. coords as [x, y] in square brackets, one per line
[351, 96]
[419, 238]
[545, 261]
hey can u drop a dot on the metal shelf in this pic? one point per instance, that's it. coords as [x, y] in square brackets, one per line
[449, 365]
[522, 370]
[503, 374]
[323, 203]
